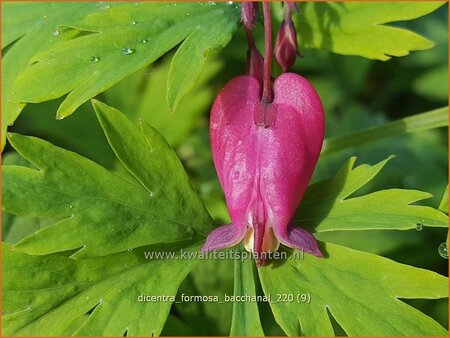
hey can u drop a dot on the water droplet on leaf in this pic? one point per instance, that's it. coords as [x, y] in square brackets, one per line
[229, 2]
[94, 59]
[443, 251]
[143, 40]
[56, 32]
[106, 6]
[419, 226]
[128, 51]
[133, 23]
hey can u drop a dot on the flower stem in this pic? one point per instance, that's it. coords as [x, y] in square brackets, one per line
[250, 40]
[267, 86]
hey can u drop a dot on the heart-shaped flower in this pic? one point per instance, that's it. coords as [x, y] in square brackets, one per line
[264, 168]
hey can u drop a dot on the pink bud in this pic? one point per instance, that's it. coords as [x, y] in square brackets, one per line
[264, 168]
[286, 45]
[248, 14]
[255, 64]
[291, 7]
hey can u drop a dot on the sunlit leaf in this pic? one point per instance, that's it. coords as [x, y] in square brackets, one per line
[119, 42]
[329, 205]
[55, 295]
[361, 291]
[83, 197]
[245, 321]
[359, 28]
[36, 27]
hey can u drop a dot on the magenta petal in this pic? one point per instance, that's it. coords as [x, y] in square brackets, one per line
[265, 159]
[298, 238]
[224, 237]
[233, 137]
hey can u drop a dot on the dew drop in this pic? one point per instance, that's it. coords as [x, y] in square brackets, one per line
[71, 206]
[443, 251]
[106, 6]
[130, 249]
[143, 40]
[94, 59]
[212, 3]
[45, 16]
[419, 226]
[133, 23]
[56, 32]
[229, 2]
[136, 3]
[128, 51]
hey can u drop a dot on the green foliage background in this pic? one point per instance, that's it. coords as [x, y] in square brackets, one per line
[358, 89]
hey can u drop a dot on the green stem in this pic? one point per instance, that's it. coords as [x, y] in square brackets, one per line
[424, 121]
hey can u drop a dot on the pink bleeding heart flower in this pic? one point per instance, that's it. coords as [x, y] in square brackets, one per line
[265, 155]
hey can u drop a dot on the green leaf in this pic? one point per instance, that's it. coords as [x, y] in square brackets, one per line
[329, 205]
[443, 206]
[429, 120]
[190, 59]
[144, 100]
[39, 119]
[433, 84]
[85, 199]
[34, 24]
[120, 41]
[361, 291]
[142, 153]
[359, 28]
[56, 295]
[211, 277]
[245, 321]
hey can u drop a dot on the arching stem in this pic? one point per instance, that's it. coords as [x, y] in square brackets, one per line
[267, 85]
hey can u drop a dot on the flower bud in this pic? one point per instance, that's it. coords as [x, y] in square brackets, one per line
[286, 45]
[264, 168]
[248, 14]
[290, 7]
[255, 64]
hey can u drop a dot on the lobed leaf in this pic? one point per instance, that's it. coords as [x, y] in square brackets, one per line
[118, 42]
[371, 286]
[86, 199]
[328, 205]
[55, 295]
[34, 28]
[359, 28]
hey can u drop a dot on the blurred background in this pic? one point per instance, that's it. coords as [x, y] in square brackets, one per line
[357, 93]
